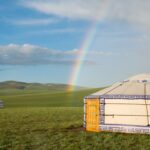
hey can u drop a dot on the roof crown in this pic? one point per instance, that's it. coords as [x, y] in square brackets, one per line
[140, 78]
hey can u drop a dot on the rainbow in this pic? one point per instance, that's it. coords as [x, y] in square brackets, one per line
[80, 59]
[84, 48]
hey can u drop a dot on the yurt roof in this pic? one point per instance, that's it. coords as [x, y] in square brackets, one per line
[134, 87]
[140, 77]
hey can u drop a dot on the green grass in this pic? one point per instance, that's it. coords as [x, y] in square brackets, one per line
[52, 128]
[47, 99]
[53, 121]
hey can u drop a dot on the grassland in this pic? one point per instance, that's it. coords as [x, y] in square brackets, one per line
[46, 99]
[45, 120]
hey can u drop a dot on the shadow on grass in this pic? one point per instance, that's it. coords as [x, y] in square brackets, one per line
[75, 128]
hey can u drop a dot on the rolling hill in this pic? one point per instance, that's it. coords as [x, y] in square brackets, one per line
[20, 88]
[34, 86]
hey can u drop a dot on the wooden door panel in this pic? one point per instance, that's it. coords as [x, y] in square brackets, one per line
[92, 115]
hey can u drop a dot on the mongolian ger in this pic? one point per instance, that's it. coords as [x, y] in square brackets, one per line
[123, 107]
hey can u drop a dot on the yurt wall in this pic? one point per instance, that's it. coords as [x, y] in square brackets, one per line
[126, 112]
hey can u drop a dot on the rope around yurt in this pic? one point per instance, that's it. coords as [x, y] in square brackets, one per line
[146, 104]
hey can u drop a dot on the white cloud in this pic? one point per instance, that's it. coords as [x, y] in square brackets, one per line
[78, 9]
[32, 22]
[27, 54]
[135, 12]
[55, 31]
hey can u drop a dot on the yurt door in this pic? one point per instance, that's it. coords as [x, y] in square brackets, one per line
[92, 115]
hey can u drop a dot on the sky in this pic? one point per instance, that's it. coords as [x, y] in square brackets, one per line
[42, 40]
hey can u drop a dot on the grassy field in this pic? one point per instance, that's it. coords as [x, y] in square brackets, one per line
[45, 99]
[53, 121]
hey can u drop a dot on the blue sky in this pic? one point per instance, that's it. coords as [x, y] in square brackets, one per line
[41, 39]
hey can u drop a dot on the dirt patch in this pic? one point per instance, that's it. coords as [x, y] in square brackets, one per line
[75, 129]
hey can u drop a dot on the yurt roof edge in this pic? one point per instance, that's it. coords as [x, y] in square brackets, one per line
[137, 87]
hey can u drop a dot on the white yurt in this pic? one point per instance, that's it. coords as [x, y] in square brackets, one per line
[123, 107]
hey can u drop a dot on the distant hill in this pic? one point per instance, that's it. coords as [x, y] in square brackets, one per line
[34, 86]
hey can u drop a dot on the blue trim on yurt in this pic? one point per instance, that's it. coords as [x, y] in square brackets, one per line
[126, 125]
[130, 97]
[126, 129]
[102, 111]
